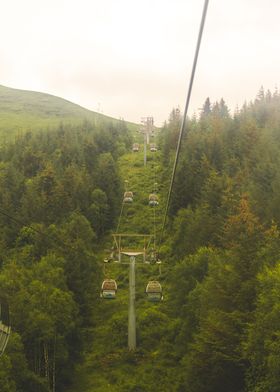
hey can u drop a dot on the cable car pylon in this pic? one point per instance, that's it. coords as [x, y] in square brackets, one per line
[135, 245]
[131, 245]
[131, 312]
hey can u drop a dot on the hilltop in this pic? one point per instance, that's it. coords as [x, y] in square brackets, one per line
[22, 110]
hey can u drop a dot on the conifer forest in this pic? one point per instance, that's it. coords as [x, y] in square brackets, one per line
[62, 187]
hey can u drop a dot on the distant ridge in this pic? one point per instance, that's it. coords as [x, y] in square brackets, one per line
[22, 110]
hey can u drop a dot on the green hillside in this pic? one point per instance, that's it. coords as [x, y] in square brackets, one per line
[22, 110]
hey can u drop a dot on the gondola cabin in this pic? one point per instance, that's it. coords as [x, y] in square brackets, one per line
[5, 328]
[153, 200]
[135, 147]
[153, 147]
[109, 289]
[128, 197]
[154, 291]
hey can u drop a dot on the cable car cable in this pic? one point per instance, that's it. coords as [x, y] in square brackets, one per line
[120, 217]
[204, 13]
[154, 208]
[23, 224]
[20, 223]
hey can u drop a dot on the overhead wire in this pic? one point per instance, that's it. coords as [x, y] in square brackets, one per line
[204, 13]
[154, 191]
[184, 118]
[121, 212]
[19, 222]
[120, 217]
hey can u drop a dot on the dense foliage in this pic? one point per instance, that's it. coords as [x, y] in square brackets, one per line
[225, 239]
[217, 329]
[60, 193]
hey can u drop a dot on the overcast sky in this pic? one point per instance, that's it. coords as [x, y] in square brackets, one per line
[133, 58]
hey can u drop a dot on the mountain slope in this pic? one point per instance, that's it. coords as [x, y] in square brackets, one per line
[22, 110]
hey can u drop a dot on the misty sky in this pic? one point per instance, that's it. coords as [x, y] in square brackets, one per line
[133, 58]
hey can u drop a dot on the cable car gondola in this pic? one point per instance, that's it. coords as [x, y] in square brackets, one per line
[135, 147]
[153, 200]
[153, 147]
[5, 328]
[154, 291]
[109, 289]
[128, 197]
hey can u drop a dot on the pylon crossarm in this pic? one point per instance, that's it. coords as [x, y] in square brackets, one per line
[136, 243]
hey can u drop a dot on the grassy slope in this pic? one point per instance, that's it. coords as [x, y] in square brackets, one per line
[107, 365]
[22, 110]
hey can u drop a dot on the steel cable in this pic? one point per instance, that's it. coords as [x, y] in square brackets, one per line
[185, 114]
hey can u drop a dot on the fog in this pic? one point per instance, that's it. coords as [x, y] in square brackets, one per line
[130, 59]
